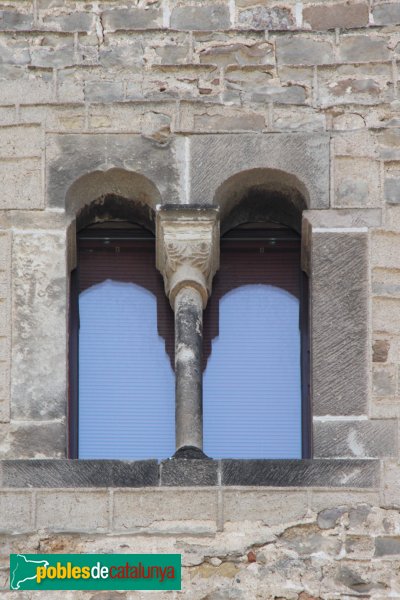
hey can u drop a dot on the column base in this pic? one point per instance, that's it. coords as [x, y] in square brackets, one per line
[190, 452]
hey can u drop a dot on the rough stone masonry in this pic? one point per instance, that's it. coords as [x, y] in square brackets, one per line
[119, 94]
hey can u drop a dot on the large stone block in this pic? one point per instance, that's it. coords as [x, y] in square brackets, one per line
[132, 18]
[346, 16]
[298, 50]
[20, 141]
[208, 18]
[165, 510]
[79, 473]
[365, 84]
[40, 321]
[16, 512]
[33, 439]
[391, 484]
[301, 473]
[360, 439]
[387, 13]
[72, 511]
[72, 156]
[387, 546]
[333, 499]
[21, 183]
[339, 331]
[27, 87]
[363, 48]
[265, 17]
[384, 380]
[216, 158]
[70, 22]
[357, 182]
[392, 190]
[268, 507]
[104, 91]
[62, 55]
[386, 315]
[11, 20]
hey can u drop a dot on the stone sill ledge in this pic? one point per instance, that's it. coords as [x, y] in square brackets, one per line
[61, 473]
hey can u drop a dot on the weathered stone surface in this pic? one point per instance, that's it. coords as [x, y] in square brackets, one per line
[77, 509]
[336, 15]
[72, 156]
[380, 350]
[185, 472]
[13, 21]
[387, 13]
[294, 94]
[265, 17]
[307, 539]
[344, 217]
[121, 56]
[49, 57]
[79, 473]
[392, 190]
[214, 159]
[339, 345]
[20, 141]
[300, 473]
[38, 388]
[385, 245]
[296, 50]
[243, 53]
[200, 17]
[389, 144]
[363, 48]
[357, 182]
[16, 512]
[132, 18]
[386, 315]
[267, 507]
[76, 21]
[384, 381]
[360, 439]
[104, 91]
[297, 119]
[165, 510]
[328, 518]
[21, 183]
[33, 439]
[387, 546]
[333, 499]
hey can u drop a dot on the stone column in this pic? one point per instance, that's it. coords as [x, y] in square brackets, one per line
[188, 257]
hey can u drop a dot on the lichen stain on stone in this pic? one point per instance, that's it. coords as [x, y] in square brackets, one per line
[355, 445]
[226, 569]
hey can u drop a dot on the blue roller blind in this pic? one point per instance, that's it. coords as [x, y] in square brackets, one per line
[126, 380]
[252, 366]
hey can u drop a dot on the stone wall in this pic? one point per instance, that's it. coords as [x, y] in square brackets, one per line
[171, 98]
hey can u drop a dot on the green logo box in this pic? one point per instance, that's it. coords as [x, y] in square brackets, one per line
[95, 572]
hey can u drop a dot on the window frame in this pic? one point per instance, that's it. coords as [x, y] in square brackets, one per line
[237, 234]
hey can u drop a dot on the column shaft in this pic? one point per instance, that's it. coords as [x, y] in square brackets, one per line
[188, 368]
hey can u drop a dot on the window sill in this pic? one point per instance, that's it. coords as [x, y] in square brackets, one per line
[53, 473]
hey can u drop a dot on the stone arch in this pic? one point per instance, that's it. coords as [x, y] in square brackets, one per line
[259, 195]
[117, 192]
[102, 195]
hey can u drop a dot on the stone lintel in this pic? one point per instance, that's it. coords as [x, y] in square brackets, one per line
[187, 248]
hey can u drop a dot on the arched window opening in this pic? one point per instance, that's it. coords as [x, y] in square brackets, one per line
[255, 384]
[124, 375]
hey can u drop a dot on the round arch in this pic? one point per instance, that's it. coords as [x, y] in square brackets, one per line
[257, 195]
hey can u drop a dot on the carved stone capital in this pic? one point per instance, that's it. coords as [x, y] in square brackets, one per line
[187, 248]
